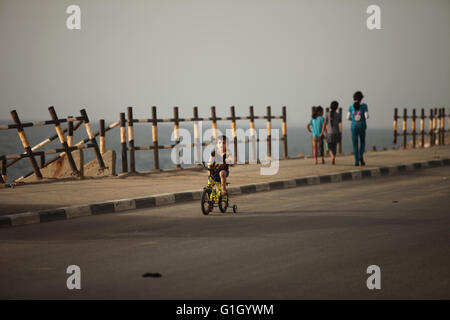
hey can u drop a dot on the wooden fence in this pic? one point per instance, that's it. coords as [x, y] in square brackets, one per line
[176, 120]
[31, 153]
[435, 135]
[128, 148]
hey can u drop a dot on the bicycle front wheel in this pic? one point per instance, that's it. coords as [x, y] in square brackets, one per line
[206, 203]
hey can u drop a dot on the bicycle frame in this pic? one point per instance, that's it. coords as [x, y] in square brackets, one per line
[216, 190]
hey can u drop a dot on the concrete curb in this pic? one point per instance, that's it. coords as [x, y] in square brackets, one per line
[112, 206]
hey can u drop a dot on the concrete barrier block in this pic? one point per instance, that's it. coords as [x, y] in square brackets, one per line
[262, 187]
[424, 164]
[197, 195]
[104, 207]
[234, 190]
[356, 175]
[290, 183]
[392, 170]
[375, 172]
[78, 211]
[25, 218]
[52, 215]
[313, 180]
[124, 204]
[274, 185]
[183, 196]
[164, 199]
[335, 177]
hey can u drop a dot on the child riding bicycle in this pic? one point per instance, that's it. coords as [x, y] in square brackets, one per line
[220, 161]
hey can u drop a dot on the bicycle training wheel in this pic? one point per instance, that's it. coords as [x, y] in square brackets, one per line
[223, 204]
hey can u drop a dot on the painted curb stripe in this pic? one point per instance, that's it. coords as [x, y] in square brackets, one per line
[274, 185]
[384, 171]
[301, 182]
[52, 215]
[325, 179]
[183, 196]
[248, 188]
[366, 174]
[346, 176]
[99, 208]
[180, 197]
[142, 203]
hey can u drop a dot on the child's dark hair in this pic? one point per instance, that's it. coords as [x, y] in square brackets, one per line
[333, 106]
[314, 114]
[319, 109]
[357, 97]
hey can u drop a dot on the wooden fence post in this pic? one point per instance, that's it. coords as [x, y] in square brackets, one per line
[62, 139]
[214, 122]
[197, 143]
[284, 133]
[443, 126]
[340, 132]
[155, 138]
[269, 133]
[413, 127]
[123, 142]
[395, 125]
[422, 128]
[131, 139]
[26, 144]
[70, 133]
[436, 126]
[91, 136]
[3, 173]
[42, 158]
[404, 127]
[176, 134]
[431, 129]
[102, 136]
[81, 164]
[233, 131]
[252, 147]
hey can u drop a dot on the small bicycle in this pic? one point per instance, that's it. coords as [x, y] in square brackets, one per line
[212, 196]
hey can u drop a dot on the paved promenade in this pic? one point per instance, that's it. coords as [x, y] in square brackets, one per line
[55, 194]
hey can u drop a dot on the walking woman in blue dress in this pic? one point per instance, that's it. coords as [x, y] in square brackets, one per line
[358, 113]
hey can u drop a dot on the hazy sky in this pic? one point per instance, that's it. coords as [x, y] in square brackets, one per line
[217, 52]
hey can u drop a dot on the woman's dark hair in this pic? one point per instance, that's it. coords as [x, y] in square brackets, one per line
[222, 138]
[333, 106]
[357, 97]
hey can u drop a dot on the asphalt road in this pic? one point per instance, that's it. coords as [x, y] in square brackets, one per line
[302, 243]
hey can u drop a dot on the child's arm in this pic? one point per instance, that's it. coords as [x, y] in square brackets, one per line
[324, 126]
[308, 127]
[211, 161]
[229, 159]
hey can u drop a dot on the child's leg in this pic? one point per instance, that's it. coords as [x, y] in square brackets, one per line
[321, 149]
[332, 147]
[223, 181]
[362, 137]
[314, 144]
[355, 145]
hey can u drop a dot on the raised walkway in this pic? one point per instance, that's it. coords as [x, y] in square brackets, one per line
[71, 192]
